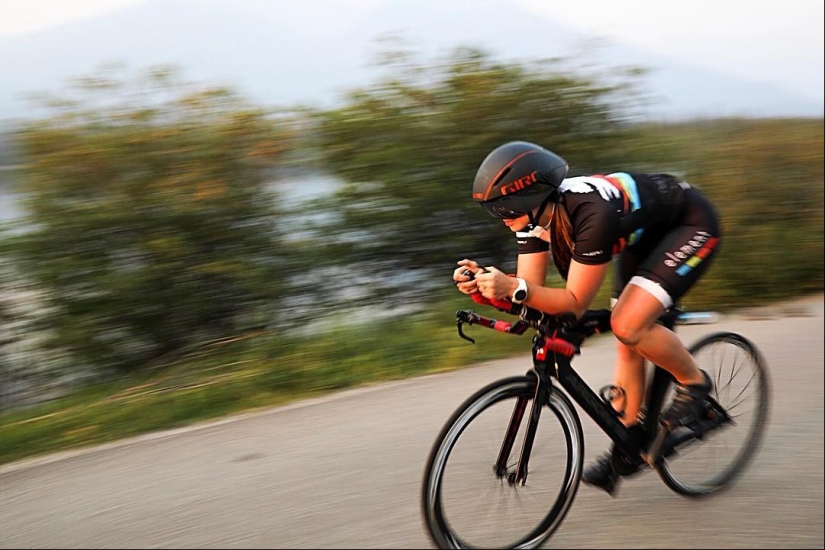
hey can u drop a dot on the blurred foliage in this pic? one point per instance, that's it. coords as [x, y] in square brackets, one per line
[408, 149]
[150, 225]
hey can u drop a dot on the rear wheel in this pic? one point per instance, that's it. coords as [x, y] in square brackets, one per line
[741, 389]
[468, 504]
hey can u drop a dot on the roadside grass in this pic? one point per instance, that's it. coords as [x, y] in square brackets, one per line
[261, 371]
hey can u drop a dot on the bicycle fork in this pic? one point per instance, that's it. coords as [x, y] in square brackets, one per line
[540, 397]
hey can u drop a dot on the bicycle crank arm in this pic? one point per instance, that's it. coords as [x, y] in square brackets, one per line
[654, 450]
[668, 440]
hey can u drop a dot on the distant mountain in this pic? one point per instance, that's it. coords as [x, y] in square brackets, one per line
[277, 54]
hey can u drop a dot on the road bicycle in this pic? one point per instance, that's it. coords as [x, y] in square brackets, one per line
[503, 473]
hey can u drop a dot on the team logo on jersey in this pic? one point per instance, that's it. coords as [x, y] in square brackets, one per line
[631, 191]
[585, 184]
[612, 186]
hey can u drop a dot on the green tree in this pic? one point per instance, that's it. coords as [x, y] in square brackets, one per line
[151, 226]
[409, 146]
[766, 179]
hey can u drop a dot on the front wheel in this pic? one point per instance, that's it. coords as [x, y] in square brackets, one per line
[468, 503]
[741, 389]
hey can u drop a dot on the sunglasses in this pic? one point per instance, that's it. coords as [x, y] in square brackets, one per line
[501, 211]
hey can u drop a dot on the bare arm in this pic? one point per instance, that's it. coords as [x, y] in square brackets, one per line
[583, 283]
[533, 267]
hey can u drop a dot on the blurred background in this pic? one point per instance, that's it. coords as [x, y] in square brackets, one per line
[203, 201]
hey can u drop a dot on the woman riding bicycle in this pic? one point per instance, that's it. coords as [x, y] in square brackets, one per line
[661, 231]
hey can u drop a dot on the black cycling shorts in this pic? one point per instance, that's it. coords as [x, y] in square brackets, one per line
[667, 261]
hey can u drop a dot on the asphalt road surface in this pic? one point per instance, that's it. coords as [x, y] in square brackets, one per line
[345, 471]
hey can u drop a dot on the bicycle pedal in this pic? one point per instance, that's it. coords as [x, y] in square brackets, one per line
[696, 430]
[677, 437]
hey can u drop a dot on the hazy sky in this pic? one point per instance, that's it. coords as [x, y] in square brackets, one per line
[783, 40]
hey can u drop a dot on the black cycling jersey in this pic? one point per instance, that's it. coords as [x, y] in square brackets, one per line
[665, 228]
[607, 220]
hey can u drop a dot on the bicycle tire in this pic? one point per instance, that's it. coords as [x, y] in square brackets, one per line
[720, 353]
[452, 476]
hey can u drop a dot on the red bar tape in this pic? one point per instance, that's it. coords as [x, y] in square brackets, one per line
[503, 326]
[560, 346]
[556, 345]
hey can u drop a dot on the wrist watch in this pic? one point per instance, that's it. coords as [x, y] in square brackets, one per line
[520, 294]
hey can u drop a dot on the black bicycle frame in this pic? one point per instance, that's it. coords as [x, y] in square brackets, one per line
[604, 414]
[548, 364]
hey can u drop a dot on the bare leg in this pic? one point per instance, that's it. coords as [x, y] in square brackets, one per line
[630, 376]
[634, 324]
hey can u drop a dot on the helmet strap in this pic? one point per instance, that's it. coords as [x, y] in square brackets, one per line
[534, 220]
[533, 228]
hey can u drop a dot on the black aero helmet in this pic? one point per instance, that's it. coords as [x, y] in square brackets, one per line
[516, 178]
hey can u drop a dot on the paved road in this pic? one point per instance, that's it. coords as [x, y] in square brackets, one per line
[345, 471]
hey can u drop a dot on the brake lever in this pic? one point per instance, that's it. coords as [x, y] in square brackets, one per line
[463, 316]
[461, 333]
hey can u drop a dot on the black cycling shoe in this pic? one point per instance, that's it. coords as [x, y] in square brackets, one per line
[606, 470]
[688, 403]
[601, 474]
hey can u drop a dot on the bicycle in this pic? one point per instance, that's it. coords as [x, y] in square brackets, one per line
[484, 449]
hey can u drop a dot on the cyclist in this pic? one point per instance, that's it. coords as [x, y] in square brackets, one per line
[661, 233]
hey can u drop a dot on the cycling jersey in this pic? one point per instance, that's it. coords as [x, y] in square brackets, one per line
[665, 230]
[604, 223]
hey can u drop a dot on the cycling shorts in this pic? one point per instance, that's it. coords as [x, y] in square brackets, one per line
[668, 260]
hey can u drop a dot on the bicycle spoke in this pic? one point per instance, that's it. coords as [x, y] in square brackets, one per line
[718, 457]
